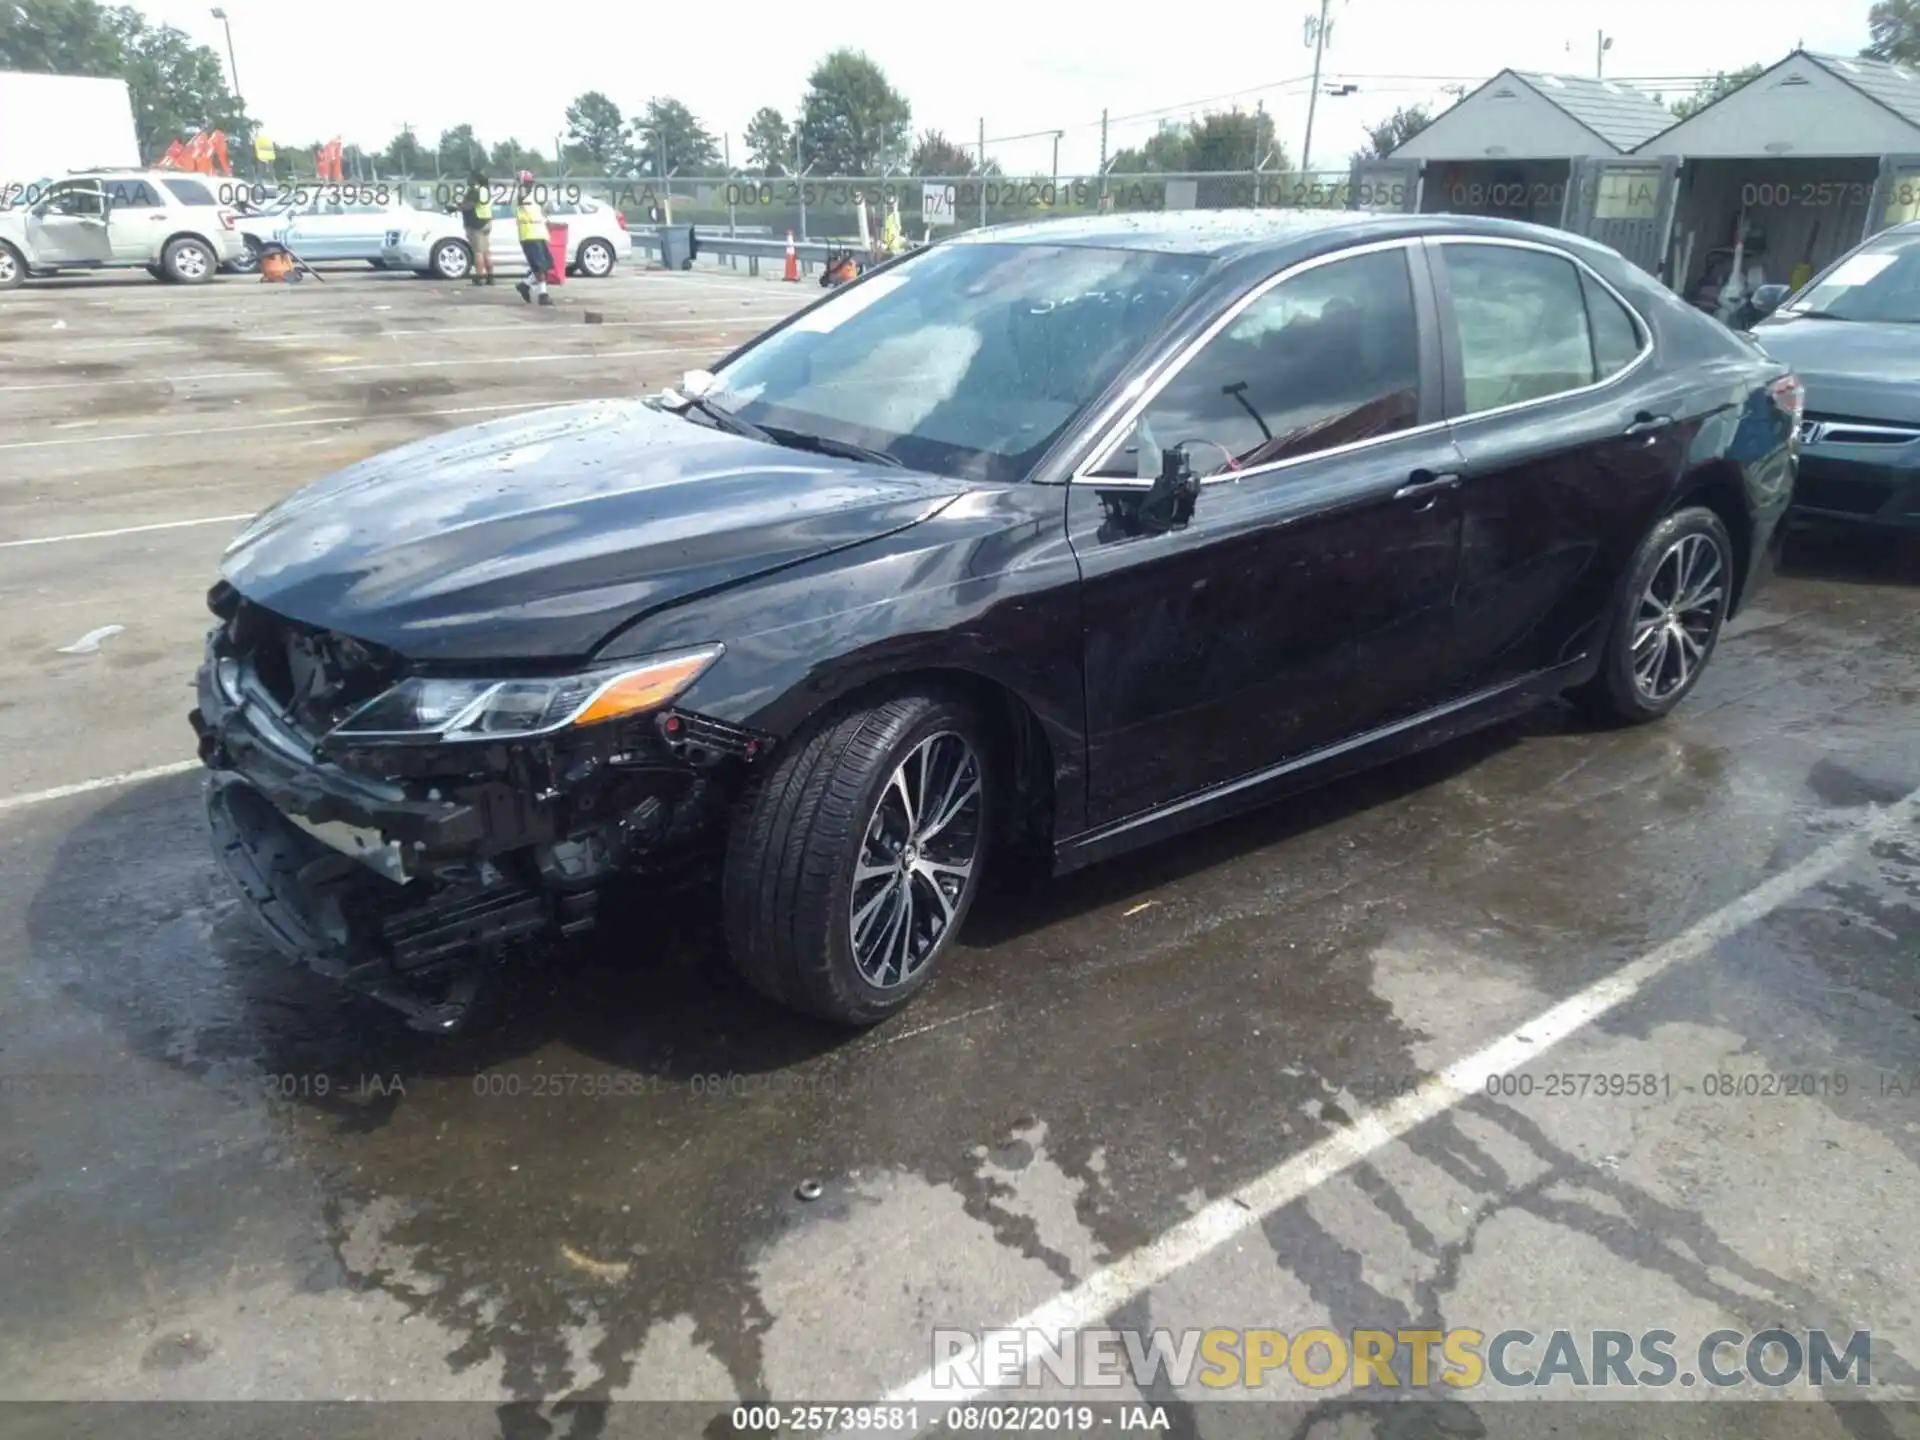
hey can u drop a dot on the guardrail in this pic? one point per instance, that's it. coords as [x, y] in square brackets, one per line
[735, 249]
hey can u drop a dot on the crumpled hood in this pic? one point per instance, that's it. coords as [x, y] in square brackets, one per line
[535, 537]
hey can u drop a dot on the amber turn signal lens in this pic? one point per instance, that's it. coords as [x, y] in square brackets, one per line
[644, 689]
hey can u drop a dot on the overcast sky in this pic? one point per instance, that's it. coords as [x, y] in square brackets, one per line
[359, 68]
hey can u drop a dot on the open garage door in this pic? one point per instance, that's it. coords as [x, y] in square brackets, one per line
[1896, 195]
[1385, 185]
[1627, 204]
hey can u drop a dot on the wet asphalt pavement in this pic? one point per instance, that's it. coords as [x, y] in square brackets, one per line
[220, 1179]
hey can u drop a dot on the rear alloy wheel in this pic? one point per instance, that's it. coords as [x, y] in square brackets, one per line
[1670, 614]
[188, 261]
[451, 260]
[13, 269]
[852, 868]
[596, 259]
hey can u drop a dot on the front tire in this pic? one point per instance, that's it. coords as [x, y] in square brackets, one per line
[188, 261]
[852, 867]
[451, 260]
[1667, 620]
[13, 267]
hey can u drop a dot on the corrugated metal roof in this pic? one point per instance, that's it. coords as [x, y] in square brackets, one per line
[1619, 114]
[1894, 86]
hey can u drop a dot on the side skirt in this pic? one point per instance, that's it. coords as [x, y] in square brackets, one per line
[1305, 772]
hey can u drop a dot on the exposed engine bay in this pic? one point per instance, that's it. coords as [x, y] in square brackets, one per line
[406, 867]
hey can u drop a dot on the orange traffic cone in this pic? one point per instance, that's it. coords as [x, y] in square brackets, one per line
[793, 261]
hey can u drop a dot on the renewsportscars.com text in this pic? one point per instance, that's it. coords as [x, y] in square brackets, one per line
[1460, 1359]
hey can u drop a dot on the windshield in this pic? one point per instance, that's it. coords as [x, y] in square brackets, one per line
[1879, 282]
[965, 360]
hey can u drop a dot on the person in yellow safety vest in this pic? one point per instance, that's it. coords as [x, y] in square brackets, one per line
[531, 222]
[891, 240]
[476, 215]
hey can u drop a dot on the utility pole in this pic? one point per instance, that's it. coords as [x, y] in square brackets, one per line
[1103, 158]
[1602, 42]
[220, 14]
[1056, 164]
[983, 170]
[733, 184]
[1259, 117]
[1313, 99]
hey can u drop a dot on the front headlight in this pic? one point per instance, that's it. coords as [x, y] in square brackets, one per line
[428, 709]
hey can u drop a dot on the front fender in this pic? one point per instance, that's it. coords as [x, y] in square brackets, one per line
[988, 588]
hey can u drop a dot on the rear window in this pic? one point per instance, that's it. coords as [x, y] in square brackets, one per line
[190, 192]
[1616, 338]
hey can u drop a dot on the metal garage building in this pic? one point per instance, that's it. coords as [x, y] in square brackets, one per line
[1511, 147]
[1783, 174]
[1797, 166]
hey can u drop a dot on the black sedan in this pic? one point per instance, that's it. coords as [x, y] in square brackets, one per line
[1852, 335]
[1032, 547]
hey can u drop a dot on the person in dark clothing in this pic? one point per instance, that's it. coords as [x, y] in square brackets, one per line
[476, 214]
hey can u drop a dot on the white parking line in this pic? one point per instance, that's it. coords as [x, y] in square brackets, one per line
[88, 345]
[358, 418]
[105, 782]
[1108, 1289]
[125, 530]
[356, 368]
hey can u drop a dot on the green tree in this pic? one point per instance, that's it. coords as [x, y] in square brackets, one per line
[405, 155]
[510, 157]
[459, 151]
[178, 87]
[58, 37]
[852, 120]
[1165, 151]
[687, 146]
[1720, 86]
[1895, 28]
[1393, 132]
[1232, 140]
[598, 130]
[935, 154]
[769, 139]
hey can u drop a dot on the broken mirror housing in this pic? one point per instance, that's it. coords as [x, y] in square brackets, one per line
[428, 709]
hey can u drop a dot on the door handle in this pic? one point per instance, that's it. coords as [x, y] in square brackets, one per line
[1646, 422]
[1426, 482]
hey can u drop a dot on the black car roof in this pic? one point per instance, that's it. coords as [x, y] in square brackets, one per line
[1233, 234]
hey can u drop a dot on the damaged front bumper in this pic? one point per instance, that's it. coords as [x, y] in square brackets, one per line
[408, 872]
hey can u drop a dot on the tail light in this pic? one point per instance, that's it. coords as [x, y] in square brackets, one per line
[226, 219]
[620, 218]
[1791, 396]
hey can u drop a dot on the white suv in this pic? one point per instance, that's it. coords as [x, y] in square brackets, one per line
[172, 224]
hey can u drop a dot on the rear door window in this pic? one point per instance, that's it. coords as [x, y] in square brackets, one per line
[190, 192]
[1521, 319]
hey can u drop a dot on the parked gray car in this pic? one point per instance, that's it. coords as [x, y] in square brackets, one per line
[326, 223]
[1852, 334]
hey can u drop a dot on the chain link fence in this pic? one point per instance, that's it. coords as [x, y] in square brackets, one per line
[826, 207]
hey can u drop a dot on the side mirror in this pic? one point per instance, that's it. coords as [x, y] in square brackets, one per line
[1169, 501]
[1769, 298]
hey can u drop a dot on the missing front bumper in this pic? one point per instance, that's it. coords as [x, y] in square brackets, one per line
[421, 949]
